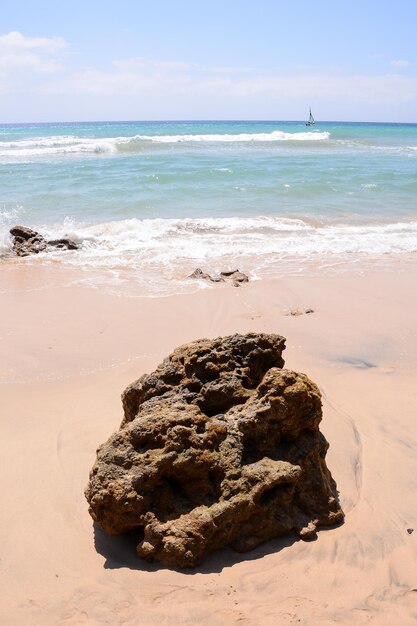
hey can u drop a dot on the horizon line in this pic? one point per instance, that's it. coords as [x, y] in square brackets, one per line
[202, 120]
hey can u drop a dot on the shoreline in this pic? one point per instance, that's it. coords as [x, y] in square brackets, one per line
[162, 278]
[67, 353]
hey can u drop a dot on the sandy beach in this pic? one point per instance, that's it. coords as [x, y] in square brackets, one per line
[192, 194]
[67, 352]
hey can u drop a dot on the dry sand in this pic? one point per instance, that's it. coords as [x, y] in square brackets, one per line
[66, 354]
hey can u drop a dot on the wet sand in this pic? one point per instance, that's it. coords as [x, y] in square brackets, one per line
[67, 351]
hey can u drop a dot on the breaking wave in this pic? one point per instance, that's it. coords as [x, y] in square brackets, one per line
[143, 242]
[276, 135]
[159, 254]
[71, 144]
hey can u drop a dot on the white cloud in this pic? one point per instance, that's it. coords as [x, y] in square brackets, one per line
[15, 40]
[158, 79]
[29, 53]
[400, 63]
[152, 88]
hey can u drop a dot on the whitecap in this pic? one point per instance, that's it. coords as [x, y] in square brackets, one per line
[73, 145]
[275, 135]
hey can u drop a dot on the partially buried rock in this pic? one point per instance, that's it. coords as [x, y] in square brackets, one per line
[297, 312]
[219, 446]
[198, 274]
[27, 241]
[63, 244]
[235, 276]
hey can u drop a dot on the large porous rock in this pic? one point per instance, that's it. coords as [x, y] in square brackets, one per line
[27, 241]
[219, 446]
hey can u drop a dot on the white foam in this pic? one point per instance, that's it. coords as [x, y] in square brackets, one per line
[71, 144]
[144, 243]
[45, 146]
[275, 135]
[79, 145]
[8, 217]
[160, 253]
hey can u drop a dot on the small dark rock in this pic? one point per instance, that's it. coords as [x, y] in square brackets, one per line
[229, 273]
[23, 233]
[64, 244]
[27, 241]
[198, 274]
[296, 312]
[410, 531]
[30, 246]
[236, 276]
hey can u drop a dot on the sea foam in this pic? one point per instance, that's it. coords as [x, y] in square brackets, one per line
[71, 144]
[145, 241]
[276, 135]
[159, 254]
[45, 146]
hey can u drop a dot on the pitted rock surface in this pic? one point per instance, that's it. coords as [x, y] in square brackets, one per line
[27, 241]
[219, 446]
[236, 277]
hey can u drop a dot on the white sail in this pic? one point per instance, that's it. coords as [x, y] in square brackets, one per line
[311, 119]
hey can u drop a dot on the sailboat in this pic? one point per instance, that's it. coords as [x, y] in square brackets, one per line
[311, 120]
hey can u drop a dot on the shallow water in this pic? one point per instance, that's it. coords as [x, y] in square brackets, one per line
[169, 196]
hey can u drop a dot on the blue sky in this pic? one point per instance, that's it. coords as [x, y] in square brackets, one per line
[178, 59]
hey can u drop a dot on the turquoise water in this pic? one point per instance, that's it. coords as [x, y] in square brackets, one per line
[212, 191]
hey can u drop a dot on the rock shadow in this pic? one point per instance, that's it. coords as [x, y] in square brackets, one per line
[120, 552]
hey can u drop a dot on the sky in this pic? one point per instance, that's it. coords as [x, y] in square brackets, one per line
[230, 59]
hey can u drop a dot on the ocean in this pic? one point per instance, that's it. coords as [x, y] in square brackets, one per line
[151, 201]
